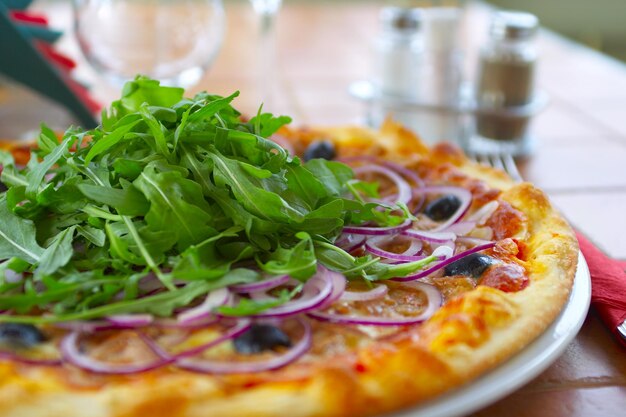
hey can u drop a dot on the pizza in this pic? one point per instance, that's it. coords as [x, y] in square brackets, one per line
[176, 262]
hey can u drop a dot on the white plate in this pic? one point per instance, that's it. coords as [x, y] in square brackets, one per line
[521, 368]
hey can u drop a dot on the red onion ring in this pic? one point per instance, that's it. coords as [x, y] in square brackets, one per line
[131, 320]
[433, 295]
[29, 361]
[12, 277]
[377, 231]
[213, 299]
[91, 326]
[474, 241]
[443, 252]
[373, 294]
[418, 198]
[240, 326]
[481, 215]
[264, 285]
[175, 324]
[428, 236]
[443, 264]
[314, 293]
[339, 286]
[71, 353]
[461, 228]
[412, 253]
[215, 367]
[464, 195]
[403, 194]
[349, 242]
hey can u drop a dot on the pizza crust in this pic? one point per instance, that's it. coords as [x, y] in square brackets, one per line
[468, 336]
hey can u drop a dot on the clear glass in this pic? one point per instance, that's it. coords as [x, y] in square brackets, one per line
[267, 10]
[174, 41]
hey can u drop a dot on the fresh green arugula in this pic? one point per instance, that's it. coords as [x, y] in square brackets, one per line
[177, 189]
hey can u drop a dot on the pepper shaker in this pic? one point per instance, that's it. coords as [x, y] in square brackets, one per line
[506, 80]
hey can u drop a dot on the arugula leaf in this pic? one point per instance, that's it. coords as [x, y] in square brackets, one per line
[299, 261]
[268, 124]
[182, 189]
[127, 201]
[58, 253]
[17, 236]
[38, 171]
[250, 191]
[176, 206]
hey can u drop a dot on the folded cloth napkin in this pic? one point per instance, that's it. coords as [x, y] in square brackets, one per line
[608, 286]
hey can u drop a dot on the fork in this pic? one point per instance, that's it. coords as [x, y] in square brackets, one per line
[502, 161]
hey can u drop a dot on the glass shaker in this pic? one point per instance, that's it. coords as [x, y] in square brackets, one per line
[506, 83]
[417, 71]
[397, 51]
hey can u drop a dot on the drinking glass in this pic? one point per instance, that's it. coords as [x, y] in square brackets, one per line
[267, 11]
[173, 41]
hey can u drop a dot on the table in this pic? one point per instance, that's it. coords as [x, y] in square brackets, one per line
[581, 161]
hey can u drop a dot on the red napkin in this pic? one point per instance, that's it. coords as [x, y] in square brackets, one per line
[608, 285]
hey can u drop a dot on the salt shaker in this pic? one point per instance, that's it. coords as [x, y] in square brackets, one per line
[507, 80]
[397, 51]
[417, 61]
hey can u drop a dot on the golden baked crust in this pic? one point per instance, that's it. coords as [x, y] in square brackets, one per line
[470, 334]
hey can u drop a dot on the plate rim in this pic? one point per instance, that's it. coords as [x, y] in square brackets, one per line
[520, 368]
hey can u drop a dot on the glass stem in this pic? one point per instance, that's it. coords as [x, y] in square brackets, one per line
[267, 58]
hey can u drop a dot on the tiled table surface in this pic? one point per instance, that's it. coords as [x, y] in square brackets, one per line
[581, 160]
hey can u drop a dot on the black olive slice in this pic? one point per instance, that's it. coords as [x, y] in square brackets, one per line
[443, 208]
[20, 336]
[471, 265]
[259, 338]
[320, 149]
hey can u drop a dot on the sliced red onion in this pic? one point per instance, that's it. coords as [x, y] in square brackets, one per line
[403, 194]
[339, 286]
[29, 361]
[481, 215]
[265, 296]
[217, 367]
[377, 231]
[443, 264]
[150, 284]
[12, 277]
[373, 294]
[412, 253]
[428, 236]
[472, 241]
[195, 324]
[350, 242]
[314, 293]
[461, 193]
[417, 197]
[461, 228]
[90, 326]
[443, 252]
[434, 302]
[131, 320]
[72, 353]
[407, 173]
[266, 284]
[215, 298]
[241, 325]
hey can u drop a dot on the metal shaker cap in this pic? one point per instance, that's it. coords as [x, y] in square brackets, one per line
[513, 25]
[400, 19]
